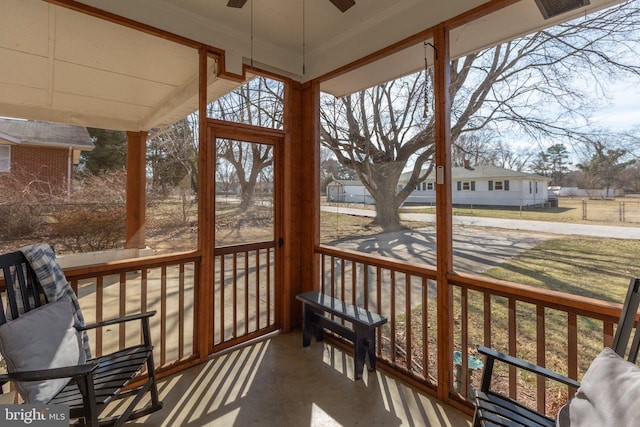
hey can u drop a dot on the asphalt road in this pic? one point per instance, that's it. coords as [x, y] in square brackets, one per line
[608, 231]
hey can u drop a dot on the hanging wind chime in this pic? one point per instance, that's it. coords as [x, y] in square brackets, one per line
[251, 34]
[425, 112]
[304, 41]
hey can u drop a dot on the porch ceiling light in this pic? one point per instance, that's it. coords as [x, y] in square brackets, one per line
[236, 3]
[551, 8]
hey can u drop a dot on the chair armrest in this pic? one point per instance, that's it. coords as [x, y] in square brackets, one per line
[519, 363]
[117, 320]
[50, 374]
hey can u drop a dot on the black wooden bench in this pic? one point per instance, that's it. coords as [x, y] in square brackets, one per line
[362, 333]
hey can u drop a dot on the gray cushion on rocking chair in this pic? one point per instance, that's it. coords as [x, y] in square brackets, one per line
[42, 338]
[609, 395]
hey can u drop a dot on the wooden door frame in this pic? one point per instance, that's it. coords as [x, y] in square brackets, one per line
[218, 129]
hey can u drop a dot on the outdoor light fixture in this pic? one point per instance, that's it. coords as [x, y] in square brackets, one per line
[343, 5]
[236, 3]
[551, 8]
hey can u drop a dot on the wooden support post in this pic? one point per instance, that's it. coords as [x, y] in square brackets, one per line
[311, 154]
[136, 185]
[442, 108]
[301, 197]
[206, 209]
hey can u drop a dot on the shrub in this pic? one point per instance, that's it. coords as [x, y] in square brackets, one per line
[90, 227]
[23, 198]
[94, 217]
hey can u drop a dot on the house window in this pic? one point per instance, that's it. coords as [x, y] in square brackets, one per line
[430, 186]
[499, 185]
[466, 186]
[5, 158]
[536, 187]
[530, 189]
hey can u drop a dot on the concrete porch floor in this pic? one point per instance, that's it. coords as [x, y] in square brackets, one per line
[277, 382]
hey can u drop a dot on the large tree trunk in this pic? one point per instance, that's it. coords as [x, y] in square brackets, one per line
[248, 188]
[383, 190]
[387, 215]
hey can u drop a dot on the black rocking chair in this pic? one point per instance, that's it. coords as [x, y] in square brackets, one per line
[494, 409]
[90, 385]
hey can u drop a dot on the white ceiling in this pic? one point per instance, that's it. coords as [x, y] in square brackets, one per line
[64, 66]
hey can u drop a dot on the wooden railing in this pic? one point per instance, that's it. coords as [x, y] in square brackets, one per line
[563, 332]
[392, 289]
[243, 302]
[557, 330]
[560, 331]
[167, 284]
[244, 293]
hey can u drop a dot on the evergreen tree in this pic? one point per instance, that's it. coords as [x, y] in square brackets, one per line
[109, 154]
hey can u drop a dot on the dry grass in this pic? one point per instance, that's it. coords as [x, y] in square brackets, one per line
[620, 212]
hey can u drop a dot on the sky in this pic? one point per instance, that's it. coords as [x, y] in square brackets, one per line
[624, 111]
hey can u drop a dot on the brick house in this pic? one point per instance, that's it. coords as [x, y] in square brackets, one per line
[42, 152]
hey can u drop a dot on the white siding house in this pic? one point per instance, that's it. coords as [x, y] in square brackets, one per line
[479, 185]
[484, 185]
[345, 191]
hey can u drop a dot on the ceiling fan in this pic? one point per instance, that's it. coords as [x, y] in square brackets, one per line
[343, 5]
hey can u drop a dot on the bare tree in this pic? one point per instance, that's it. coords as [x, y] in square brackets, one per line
[534, 86]
[259, 102]
[377, 132]
[172, 154]
[249, 160]
[630, 178]
[605, 167]
[225, 176]
[487, 148]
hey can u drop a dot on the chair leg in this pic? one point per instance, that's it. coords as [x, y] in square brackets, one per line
[85, 384]
[155, 400]
[476, 420]
[146, 331]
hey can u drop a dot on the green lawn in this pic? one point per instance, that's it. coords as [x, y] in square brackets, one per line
[592, 267]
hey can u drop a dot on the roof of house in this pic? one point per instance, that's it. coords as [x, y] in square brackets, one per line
[34, 133]
[481, 171]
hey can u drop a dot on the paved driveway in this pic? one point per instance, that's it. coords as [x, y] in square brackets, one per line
[474, 249]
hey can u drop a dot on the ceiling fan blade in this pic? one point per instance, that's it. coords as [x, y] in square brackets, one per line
[343, 5]
[236, 3]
